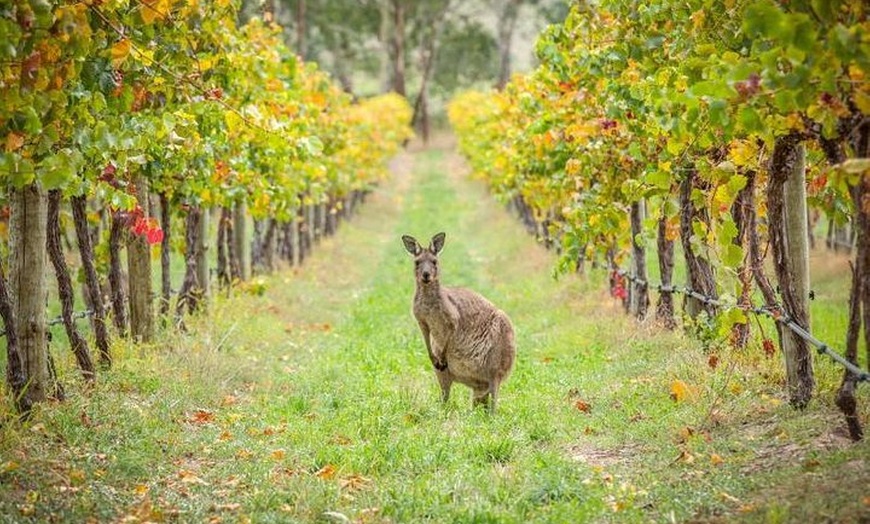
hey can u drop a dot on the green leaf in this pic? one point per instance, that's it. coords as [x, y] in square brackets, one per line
[732, 255]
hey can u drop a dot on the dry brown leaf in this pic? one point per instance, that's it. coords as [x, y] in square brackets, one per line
[583, 406]
[229, 400]
[713, 361]
[354, 482]
[189, 477]
[201, 416]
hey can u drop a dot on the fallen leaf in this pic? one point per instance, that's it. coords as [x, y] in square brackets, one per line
[713, 361]
[685, 433]
[716, 460]
[8, 466]
[225, 436]
[341, 440]
[86, 420]
[354, 482]
[229, 400]
[729, 497]
[278, 454]
[679, 390]
[201, 416]
[637, 417]
[232, 506]
[685, 457]
[583, 406]
[244, 454]
[326, 472]
[140, 489]
[189, 477]
[76, 476]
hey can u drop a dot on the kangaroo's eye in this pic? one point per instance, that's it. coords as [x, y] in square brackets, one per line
[417, 263]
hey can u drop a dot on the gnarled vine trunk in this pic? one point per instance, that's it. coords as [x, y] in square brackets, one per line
[95, 297]
[65, 292]
[698, 269]
[117, 231]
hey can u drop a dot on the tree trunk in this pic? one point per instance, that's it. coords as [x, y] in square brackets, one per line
[786, 205]
[639, 297]
[94, 296]
[65, 292]
[665, 305]
[506, 23]
[698, 269]
[257, 248]
[269, 248]
[165, 276]
[27, 264]
[300, 29]
[139, 274]
[398, 47]
[239, 239]
[116, 279]
[189, 295]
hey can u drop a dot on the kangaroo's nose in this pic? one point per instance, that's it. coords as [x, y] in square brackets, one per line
[427, 276]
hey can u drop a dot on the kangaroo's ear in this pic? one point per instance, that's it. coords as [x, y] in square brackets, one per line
[412, 245]
[437, 243]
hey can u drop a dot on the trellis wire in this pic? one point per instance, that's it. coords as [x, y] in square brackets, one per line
[821, 347]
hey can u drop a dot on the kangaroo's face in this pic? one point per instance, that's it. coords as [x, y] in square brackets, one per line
[425, 260]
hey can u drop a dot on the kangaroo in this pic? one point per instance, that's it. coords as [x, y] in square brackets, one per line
[468, 339]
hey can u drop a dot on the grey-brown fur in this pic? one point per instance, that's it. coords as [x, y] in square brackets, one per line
[469, 340]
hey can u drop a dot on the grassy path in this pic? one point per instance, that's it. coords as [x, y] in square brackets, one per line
[315, 402]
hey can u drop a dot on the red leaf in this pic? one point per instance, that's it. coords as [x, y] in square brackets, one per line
[769, 348]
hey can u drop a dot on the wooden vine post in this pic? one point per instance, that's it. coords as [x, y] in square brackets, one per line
[639, 296]
[139, 270]
[27, 265]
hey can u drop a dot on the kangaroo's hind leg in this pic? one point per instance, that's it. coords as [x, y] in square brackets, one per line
[445, 380]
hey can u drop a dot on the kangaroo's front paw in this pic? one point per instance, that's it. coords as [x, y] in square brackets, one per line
[440, 365]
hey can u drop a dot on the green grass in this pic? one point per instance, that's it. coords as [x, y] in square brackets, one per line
[317, 401]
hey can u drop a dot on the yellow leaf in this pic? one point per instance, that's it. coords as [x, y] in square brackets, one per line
[278, 454]
[152, 10]
[679, 390]
[326, 472]
[716, 460]
[120, 50]
[743, 152]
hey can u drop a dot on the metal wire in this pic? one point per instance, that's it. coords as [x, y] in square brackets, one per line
[776, 314]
